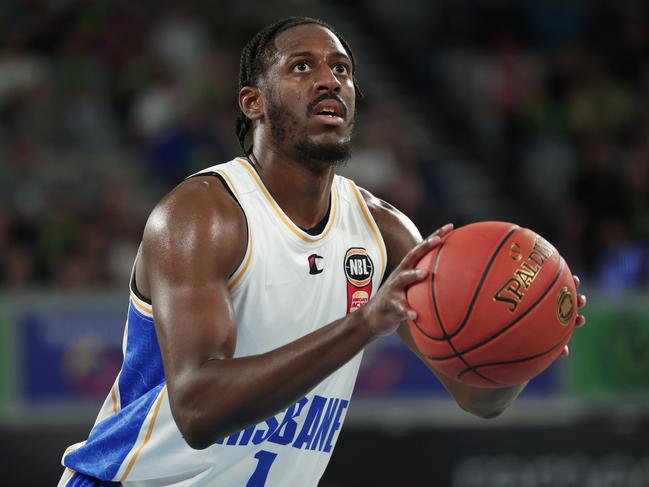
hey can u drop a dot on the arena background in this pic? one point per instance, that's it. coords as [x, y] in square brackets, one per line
[533, 111]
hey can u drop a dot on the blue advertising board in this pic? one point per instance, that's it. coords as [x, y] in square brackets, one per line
[68, 353]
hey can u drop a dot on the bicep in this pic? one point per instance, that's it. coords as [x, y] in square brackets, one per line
[194, 320]
[189, 252]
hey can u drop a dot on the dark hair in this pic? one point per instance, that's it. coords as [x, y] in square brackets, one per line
[259, 49]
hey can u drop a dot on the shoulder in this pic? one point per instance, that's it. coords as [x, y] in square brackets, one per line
[199, 216]
[399, 232]
[201, 201]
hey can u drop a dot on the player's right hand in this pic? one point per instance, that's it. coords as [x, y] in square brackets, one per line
[389, 307]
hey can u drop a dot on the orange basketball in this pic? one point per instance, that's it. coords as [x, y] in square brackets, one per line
[498, 308]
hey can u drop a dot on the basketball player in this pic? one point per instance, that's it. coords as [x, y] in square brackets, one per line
[257, 286]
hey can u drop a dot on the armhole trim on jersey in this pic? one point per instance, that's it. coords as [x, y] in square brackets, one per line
[236, 277]
[139, 303]
[371, 223]
[154, 416]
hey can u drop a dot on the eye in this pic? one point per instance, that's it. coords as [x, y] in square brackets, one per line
[341, 68]
[301, 67]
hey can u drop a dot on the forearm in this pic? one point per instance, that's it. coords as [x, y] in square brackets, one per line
[483, 402]
[223, 396]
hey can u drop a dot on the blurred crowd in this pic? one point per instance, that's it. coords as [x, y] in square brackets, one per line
[105, 106]
[553, 96]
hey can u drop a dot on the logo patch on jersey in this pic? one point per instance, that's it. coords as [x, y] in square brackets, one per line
[315, 264]
[359, 270]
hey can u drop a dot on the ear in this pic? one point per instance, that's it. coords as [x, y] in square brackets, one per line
[251, 102]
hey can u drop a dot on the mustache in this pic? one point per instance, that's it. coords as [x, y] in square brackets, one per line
[327, 96]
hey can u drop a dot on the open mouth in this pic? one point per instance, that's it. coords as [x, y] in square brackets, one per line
[330, 112]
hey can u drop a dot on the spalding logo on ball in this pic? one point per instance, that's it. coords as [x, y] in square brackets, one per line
[499, 306]
[565, 306]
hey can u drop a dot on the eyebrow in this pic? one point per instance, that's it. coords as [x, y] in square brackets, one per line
[309, 53]
[300, 54]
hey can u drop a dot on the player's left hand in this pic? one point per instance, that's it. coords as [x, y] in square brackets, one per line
[581, 319]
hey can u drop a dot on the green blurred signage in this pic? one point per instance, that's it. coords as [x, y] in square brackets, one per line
[610, 355]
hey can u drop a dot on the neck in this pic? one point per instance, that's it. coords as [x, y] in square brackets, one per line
[301, 190]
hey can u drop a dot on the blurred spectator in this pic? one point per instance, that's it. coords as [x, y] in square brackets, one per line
[599, 103]
[597, 198]
[179, 40]
[624, 256]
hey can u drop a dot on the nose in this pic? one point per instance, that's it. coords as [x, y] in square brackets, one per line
[326, 80]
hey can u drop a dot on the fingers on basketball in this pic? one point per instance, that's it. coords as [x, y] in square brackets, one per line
[440, 232]
[417, 252]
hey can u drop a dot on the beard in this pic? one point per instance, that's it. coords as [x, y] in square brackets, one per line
[316, 156]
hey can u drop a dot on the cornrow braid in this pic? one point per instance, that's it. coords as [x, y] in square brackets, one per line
[259, 49]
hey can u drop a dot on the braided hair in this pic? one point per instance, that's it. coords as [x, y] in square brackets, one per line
[259, 49]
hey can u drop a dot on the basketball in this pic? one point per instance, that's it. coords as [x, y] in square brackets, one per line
[498, 307]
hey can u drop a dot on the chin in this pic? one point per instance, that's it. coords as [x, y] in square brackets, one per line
[324, 153]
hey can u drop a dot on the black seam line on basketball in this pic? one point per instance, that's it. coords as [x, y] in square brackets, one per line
[474, 368]
[483, 377]
[432, 278]
[446, 336]
[508, 326]
[439, 249]
[449, 341]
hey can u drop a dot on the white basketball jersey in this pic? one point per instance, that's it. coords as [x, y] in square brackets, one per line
[289, 284]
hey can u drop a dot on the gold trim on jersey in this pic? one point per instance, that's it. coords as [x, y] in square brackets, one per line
[241, 270]
[69, 472]
[156, 410]
[237, 279]
[284, 218]
[145, 308]
[114, 391]
[113, 396]
[371, 224]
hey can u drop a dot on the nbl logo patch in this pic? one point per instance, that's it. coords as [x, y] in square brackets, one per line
[359, 270]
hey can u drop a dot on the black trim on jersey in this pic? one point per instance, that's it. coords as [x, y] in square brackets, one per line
[319, 228]
[135, 289]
